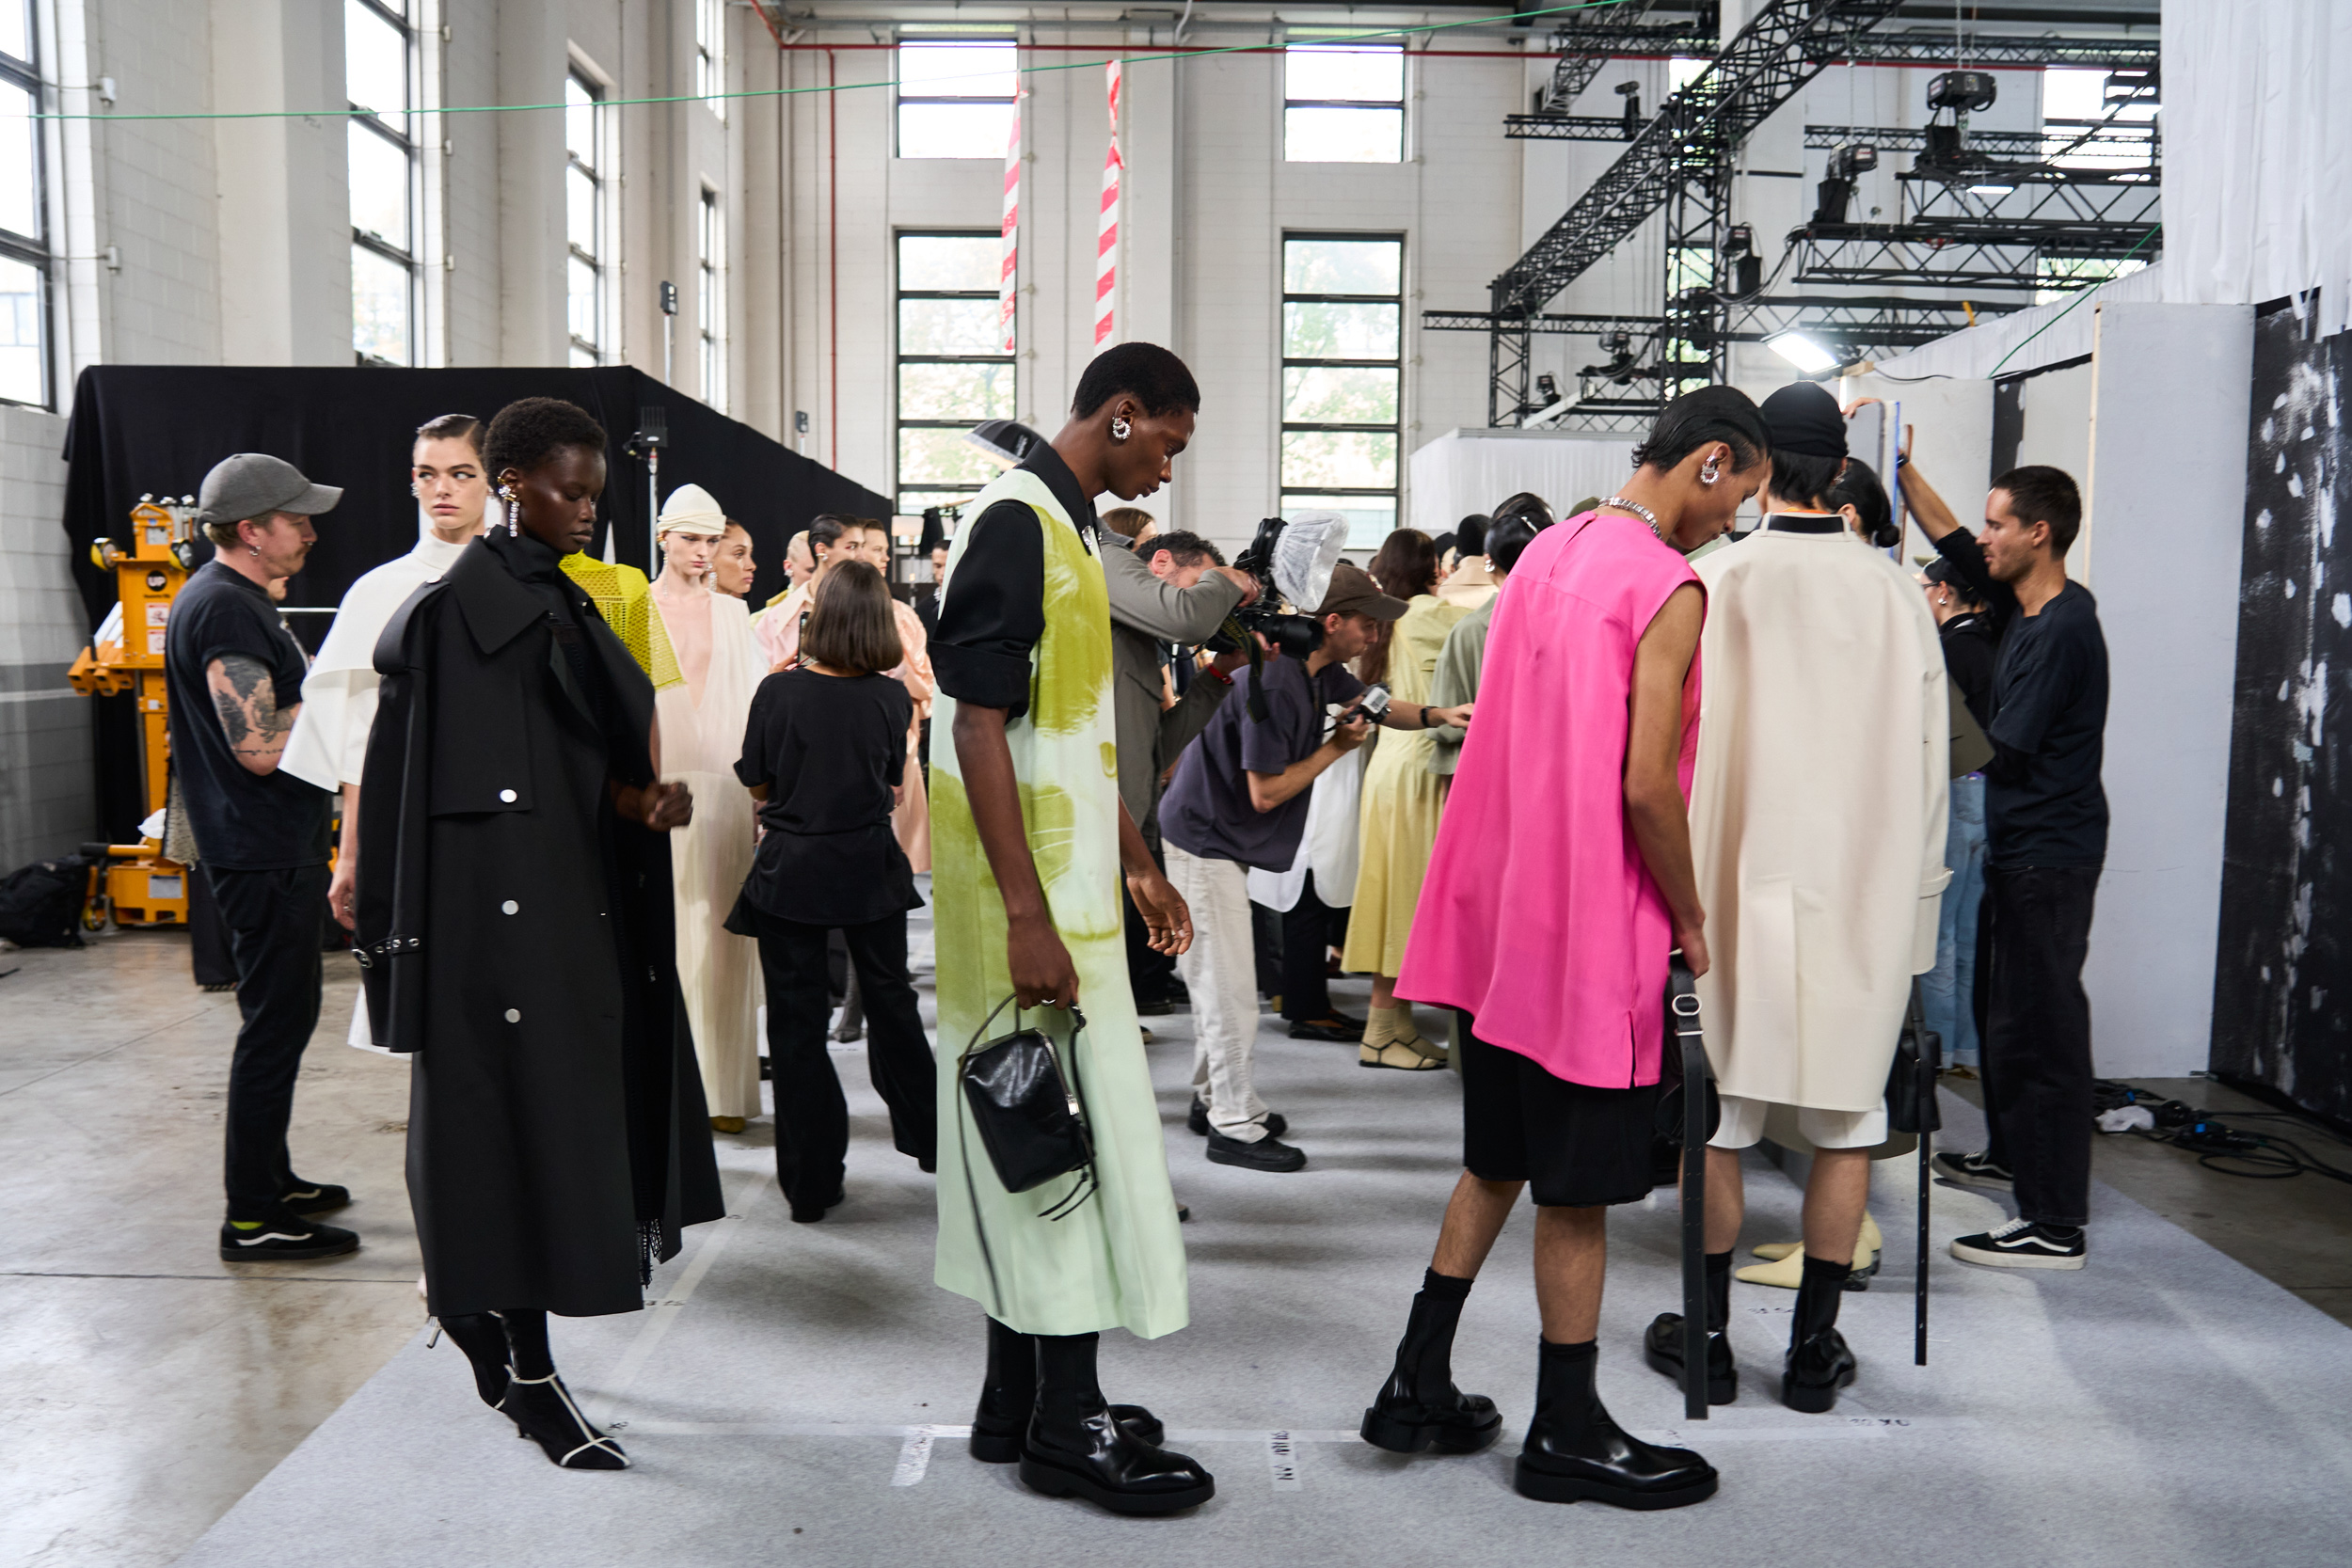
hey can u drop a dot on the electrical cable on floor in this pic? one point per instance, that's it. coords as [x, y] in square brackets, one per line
[2219, 1147]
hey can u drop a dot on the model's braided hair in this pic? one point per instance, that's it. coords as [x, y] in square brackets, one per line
[529, 431]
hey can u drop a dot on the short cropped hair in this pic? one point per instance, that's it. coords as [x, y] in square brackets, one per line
[1145, 372]
[529, 431]
[2041, 494]
[1190, 549]
[852, 624]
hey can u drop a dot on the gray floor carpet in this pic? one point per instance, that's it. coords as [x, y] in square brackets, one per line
[795, 1394]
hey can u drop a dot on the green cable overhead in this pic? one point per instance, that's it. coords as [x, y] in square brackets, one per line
[348, 112]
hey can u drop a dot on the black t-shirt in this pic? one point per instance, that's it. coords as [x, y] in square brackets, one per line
[2044, 804]
[1207, 811]
[830, 748]
[1969, 654]
[243, 821]
[981, 645]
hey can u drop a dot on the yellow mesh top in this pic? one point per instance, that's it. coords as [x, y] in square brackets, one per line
[625, 599]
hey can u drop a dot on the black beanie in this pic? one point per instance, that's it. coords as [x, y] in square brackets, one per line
[1803, 418]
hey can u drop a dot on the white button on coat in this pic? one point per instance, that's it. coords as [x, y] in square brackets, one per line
[507, 795]
[509, 906]
[513, 1015]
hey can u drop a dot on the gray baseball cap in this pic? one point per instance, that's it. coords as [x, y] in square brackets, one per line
[254, 484]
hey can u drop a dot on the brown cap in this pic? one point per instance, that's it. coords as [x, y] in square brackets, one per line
[1354, 593]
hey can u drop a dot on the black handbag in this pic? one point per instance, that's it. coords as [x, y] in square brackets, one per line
[1032, 1121]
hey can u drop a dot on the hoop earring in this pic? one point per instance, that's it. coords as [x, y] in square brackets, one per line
[1708, 474]
[254, 551]
[1121, 429]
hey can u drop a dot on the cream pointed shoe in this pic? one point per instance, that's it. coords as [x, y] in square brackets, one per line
[1786, 1268]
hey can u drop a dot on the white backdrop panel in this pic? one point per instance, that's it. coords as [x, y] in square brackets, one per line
[1471, 470]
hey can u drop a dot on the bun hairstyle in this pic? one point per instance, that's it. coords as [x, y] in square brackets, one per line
[1531, 506]
[1859, 489]
[1694, 419]
[1509, 538]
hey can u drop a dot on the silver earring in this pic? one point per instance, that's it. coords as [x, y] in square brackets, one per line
[1708, 474]
[1121, 429]
[254, 551]
[514, 511]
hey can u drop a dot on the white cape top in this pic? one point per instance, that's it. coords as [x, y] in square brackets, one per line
[330, 736]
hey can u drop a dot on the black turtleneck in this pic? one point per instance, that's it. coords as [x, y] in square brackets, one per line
[989, 625]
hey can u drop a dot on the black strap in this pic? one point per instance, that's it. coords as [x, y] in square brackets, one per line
[1683, 1007]
[1923, 1102]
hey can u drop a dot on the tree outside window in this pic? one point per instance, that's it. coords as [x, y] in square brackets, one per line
[952, 370]
[1343, 374]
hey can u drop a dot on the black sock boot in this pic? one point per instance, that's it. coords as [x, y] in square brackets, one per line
[1819, 1362]
[542, 1408]
[1661, 1347]
[1418, 1406]
[1074, 1446]
[482, 1338]
[1575, 1450]
[1008, 1397]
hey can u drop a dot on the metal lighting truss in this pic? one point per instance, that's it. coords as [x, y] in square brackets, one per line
[1680, 163]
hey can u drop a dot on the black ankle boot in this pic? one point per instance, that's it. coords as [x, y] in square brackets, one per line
[542, 1409]
[1075, 1445]
[483, 1337]
[1008, 1397]
[1661, 1347]
[1819, 1362]
[1575, 1450]
[1418, 1407]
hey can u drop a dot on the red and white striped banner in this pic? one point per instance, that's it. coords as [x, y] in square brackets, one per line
[1107, 233]
[1007, 285]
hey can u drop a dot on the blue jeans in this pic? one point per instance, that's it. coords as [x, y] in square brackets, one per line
[1948, 990]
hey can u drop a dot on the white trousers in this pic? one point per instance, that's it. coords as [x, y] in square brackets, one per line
[1220, 969]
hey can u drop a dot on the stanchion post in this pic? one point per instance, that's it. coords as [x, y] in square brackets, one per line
[1690, 1042]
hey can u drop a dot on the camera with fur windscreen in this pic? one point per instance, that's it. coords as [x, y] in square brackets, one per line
[1291, 561]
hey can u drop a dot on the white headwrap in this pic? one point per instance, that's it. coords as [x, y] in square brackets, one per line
[691, 509]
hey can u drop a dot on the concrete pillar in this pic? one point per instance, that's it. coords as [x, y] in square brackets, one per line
[284, 188]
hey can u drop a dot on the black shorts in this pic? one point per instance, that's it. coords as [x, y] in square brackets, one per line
[1576, 1146]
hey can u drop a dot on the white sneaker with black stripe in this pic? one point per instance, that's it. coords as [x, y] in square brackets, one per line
[2023, 1244]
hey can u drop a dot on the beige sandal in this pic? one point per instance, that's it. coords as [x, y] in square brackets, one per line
[1400, 1054]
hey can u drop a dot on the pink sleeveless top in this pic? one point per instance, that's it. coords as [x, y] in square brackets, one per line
[1538, 916]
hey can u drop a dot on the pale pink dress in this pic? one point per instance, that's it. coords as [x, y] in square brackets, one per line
[1537, 916]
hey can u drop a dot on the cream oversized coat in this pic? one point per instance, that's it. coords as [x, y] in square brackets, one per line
[1817, 814]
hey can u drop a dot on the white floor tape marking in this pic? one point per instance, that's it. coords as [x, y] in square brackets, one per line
[1850, 1427]
[914, 1457]
[663, 1312]
[1282, 1452]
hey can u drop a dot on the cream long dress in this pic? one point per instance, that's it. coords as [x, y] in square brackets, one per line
[718, 971]
[1402, 801]
[1817, 814]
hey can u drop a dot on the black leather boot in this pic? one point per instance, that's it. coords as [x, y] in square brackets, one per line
[1008, 1397]
[1076, 1447]
[1574, 1450]
[1661, 1347]
[1819, 1362]
[483, 1337]
[542, 1409]
[1418, 1407]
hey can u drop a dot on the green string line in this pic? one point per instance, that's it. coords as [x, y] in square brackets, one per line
[2079, 298]
[846, 87]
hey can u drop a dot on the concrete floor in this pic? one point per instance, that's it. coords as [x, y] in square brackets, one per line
[146, 1387]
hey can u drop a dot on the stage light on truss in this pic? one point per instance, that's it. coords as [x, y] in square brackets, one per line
[1991, 190]
[1801, 351]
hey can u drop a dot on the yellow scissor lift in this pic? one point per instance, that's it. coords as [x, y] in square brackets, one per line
[137, 884]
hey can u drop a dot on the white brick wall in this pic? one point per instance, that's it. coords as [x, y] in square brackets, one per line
[47, 801]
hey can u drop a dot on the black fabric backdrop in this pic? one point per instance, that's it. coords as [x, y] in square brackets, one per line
[2282, 991]
[157, 429]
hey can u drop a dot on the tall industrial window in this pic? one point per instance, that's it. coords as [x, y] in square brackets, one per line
[952, 370]
[379, 78]
[710, 57]
[23, 232]
[956, 97]
[709, 302]
[1342, 373]
[583, 220]
[1344, 103]
[2101, 122]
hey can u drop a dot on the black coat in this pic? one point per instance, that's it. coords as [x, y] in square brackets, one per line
[518, 941]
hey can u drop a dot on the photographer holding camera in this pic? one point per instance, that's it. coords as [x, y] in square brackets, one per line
[1239, 799]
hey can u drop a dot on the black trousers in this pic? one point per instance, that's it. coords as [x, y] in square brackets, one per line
[210, 956]
[2035, 1058]
[273, 923]
[1307, 928]
[812, 1118]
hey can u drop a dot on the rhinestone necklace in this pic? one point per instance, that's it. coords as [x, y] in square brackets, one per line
[1639, 510]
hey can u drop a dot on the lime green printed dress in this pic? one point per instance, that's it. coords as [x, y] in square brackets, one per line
[1117, 1261]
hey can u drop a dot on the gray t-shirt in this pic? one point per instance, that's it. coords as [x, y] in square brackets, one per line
[1207, 811]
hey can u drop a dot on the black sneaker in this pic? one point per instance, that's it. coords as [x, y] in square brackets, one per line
[315, 1198]
[1337, 1030]
[1198, 1119]
[1268, 1153]
[1974, 1170]
[283, 1238]
[1154, 1007]
[2023, 1244]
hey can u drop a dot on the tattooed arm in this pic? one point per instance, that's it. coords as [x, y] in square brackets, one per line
[246, 699]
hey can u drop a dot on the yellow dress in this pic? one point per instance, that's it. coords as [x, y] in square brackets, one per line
[1401, 800]
[625, 599]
